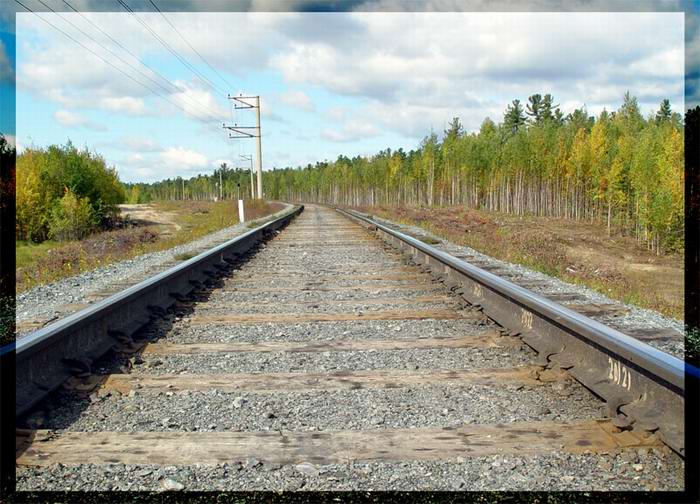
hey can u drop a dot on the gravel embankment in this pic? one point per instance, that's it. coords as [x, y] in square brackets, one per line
[635, 317]
[366, 407]
[643, 470]
[47, 301]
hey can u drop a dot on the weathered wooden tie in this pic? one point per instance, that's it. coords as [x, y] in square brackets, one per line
[295, 318]
[43, 448]
[489, 340]
[297, 382]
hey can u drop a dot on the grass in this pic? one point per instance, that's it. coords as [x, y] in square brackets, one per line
[429, 240]
[184, 257]
[257, 223]
[28, 253]
[535, 249]
[38, 264]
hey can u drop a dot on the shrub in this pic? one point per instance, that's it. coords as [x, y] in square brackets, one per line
[42, 175]
[72, 218]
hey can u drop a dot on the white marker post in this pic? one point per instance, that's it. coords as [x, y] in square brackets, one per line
[241, 211]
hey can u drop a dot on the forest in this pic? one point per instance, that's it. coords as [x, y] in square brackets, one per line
[63, 193]
[620, 169]
[235, 183]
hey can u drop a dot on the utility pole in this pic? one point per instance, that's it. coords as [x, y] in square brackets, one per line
[252, 185]
[220, 184]
[247, 102]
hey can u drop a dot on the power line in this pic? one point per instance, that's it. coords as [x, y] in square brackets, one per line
[197, 73]
[116, 42]
[202, 120]
[190, 45]
[177, 90]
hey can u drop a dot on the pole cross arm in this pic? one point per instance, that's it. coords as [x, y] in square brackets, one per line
[241, 100]
[240, 133]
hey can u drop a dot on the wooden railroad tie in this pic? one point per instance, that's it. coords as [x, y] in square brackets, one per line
[44, 448]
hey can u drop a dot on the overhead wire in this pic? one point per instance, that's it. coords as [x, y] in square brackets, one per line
[190, 45]
[187, 64]
[91, 51]
[203, 120]
[116, 42]
[191, 100]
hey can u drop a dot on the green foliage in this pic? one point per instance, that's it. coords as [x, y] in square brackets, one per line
[514, 118]
[72, 218]
[618, 169]
[235, 183]
[45, 176]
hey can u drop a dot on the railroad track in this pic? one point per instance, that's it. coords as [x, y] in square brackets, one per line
[322, 356]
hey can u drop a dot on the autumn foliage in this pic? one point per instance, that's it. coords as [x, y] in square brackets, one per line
[64, 193]
[619, 168]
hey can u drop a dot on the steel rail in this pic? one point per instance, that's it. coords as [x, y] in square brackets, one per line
[46, 357]
[643, 387]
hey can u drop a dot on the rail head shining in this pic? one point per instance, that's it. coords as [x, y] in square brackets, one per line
[634, 378]
[44, 357]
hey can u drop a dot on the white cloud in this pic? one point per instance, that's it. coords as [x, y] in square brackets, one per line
[298, 99]
[336, 113]
[69, 119]
[198, 102]
[218, 162]
[473, 64]
[139, 144]
[399, 72]
[351, 131]
[126, 104]
[180, 158]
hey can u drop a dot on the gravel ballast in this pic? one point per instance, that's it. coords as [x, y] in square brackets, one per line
[388, 403]
[45, 301]
[634, 318]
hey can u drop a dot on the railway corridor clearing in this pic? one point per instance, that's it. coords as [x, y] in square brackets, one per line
[328, 362]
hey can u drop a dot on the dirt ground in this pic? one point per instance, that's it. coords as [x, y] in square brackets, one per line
[147, 214]
[574, 251]
[159, 226]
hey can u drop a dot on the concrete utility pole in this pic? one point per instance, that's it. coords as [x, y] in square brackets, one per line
[240, 131]
[221, 187]
[257, 115]
[252, 184]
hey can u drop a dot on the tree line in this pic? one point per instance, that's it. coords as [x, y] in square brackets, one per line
[619, 168]
[64, 193]
[224, 183]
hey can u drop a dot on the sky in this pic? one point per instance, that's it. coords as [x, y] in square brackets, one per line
[350, 83]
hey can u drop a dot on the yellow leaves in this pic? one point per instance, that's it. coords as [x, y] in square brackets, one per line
[579, 161]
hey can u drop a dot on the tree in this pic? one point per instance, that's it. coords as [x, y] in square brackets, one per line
[548, 108]
[454, 129]
[664, 113]
[72, 218]
[629, 114]
[579, 118]
[533, 108]
[514, 118]
[541, 109]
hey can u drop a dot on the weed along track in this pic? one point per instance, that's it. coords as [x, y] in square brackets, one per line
[338, 354]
